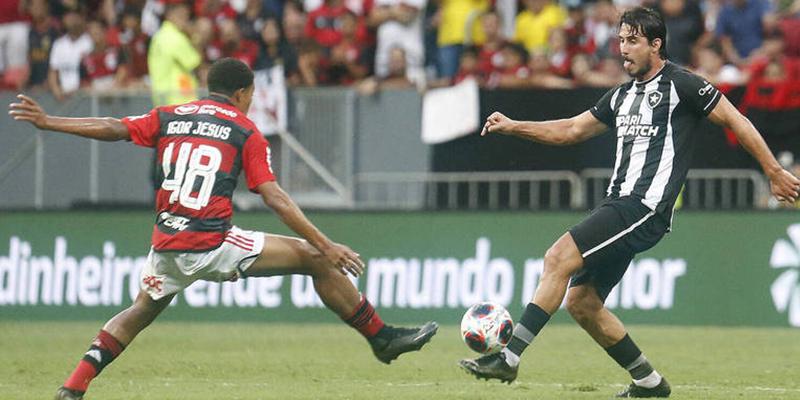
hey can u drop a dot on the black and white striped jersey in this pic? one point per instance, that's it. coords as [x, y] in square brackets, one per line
[654, 121]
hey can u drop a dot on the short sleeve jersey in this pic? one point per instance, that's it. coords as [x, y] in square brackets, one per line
[201, 149]
[653, 121]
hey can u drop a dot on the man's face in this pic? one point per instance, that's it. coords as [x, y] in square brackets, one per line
[97, 33]
[637, 53]
[180, 15]
[229, 33]
[491, 24]
[73, 23]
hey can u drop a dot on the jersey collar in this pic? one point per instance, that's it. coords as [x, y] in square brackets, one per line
[219, 99]
[660, 71]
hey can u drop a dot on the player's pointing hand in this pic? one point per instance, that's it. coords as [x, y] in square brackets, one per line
[497, 122]
[27, 110]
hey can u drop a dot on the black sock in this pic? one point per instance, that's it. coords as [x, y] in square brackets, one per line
[628, 356]
[532, 321]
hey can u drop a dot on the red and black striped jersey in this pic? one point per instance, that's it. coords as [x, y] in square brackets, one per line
[201, 147]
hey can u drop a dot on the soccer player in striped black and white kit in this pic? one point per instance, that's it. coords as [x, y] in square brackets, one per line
[201, 148]
[653, 117]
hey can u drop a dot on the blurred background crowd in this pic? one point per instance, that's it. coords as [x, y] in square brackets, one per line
[64, 45]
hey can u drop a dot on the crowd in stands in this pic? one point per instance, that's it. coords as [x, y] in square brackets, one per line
[64, 45]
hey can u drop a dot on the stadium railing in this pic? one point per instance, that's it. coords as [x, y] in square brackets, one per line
[319, 163]
[706, 189]
[515, 190]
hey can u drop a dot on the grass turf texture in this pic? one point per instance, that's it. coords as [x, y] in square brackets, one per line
[179, 360]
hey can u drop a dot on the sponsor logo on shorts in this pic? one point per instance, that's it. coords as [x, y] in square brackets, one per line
[153, 282]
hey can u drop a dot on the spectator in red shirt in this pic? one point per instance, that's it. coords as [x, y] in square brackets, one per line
[133, 48]
[324, 24]
[514, 72]
[100, 67]
[216, 10]
[490, 56]
[469, 66]
[347, 62]
[579, 31]
[231, 44]
[558, 54]
[14, 28]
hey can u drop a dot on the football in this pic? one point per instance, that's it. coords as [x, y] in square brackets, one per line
[486, 327]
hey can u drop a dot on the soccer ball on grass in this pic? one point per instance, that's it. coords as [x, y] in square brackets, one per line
[486, 327]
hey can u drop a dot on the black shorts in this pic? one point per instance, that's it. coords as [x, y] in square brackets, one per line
[609, 238]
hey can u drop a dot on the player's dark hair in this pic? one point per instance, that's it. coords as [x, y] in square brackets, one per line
[228, 75]
[648, 23]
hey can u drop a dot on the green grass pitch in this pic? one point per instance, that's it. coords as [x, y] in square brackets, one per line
[181, 360]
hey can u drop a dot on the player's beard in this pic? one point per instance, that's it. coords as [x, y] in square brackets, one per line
[637, 69]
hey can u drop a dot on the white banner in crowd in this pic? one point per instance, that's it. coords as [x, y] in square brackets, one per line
[450, 113]
[268, 110]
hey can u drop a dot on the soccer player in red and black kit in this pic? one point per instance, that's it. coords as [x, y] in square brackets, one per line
[653, 117]
[201, 148]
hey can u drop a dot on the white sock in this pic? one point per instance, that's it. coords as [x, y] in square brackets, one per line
[649, 381]
[511, 358]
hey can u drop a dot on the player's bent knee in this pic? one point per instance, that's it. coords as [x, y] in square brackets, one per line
[558, 261]
[563, 257]
[582, 307]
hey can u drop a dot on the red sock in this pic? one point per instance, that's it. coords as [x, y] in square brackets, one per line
[365, 320]
[104, 349]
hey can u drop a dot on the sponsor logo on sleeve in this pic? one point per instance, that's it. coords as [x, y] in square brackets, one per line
[186, 109]
[705, 89]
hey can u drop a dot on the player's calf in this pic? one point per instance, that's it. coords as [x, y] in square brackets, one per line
[104, 349]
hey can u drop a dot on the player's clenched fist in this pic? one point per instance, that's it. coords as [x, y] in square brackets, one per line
[785, 186]
[497, 122]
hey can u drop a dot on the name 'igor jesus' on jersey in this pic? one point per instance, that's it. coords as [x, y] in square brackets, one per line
[201, 149]
[653, 121]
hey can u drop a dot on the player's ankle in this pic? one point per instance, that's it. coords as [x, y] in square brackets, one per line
[650, 381]
[511, 359]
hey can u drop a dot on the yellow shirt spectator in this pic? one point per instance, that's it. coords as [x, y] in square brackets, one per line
[171, 60]
[533, 30]
[456, 15]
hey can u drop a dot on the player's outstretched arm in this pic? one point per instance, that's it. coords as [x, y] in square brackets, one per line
[108, 129]
[340, 256]
[784, 185]
[556, 132]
